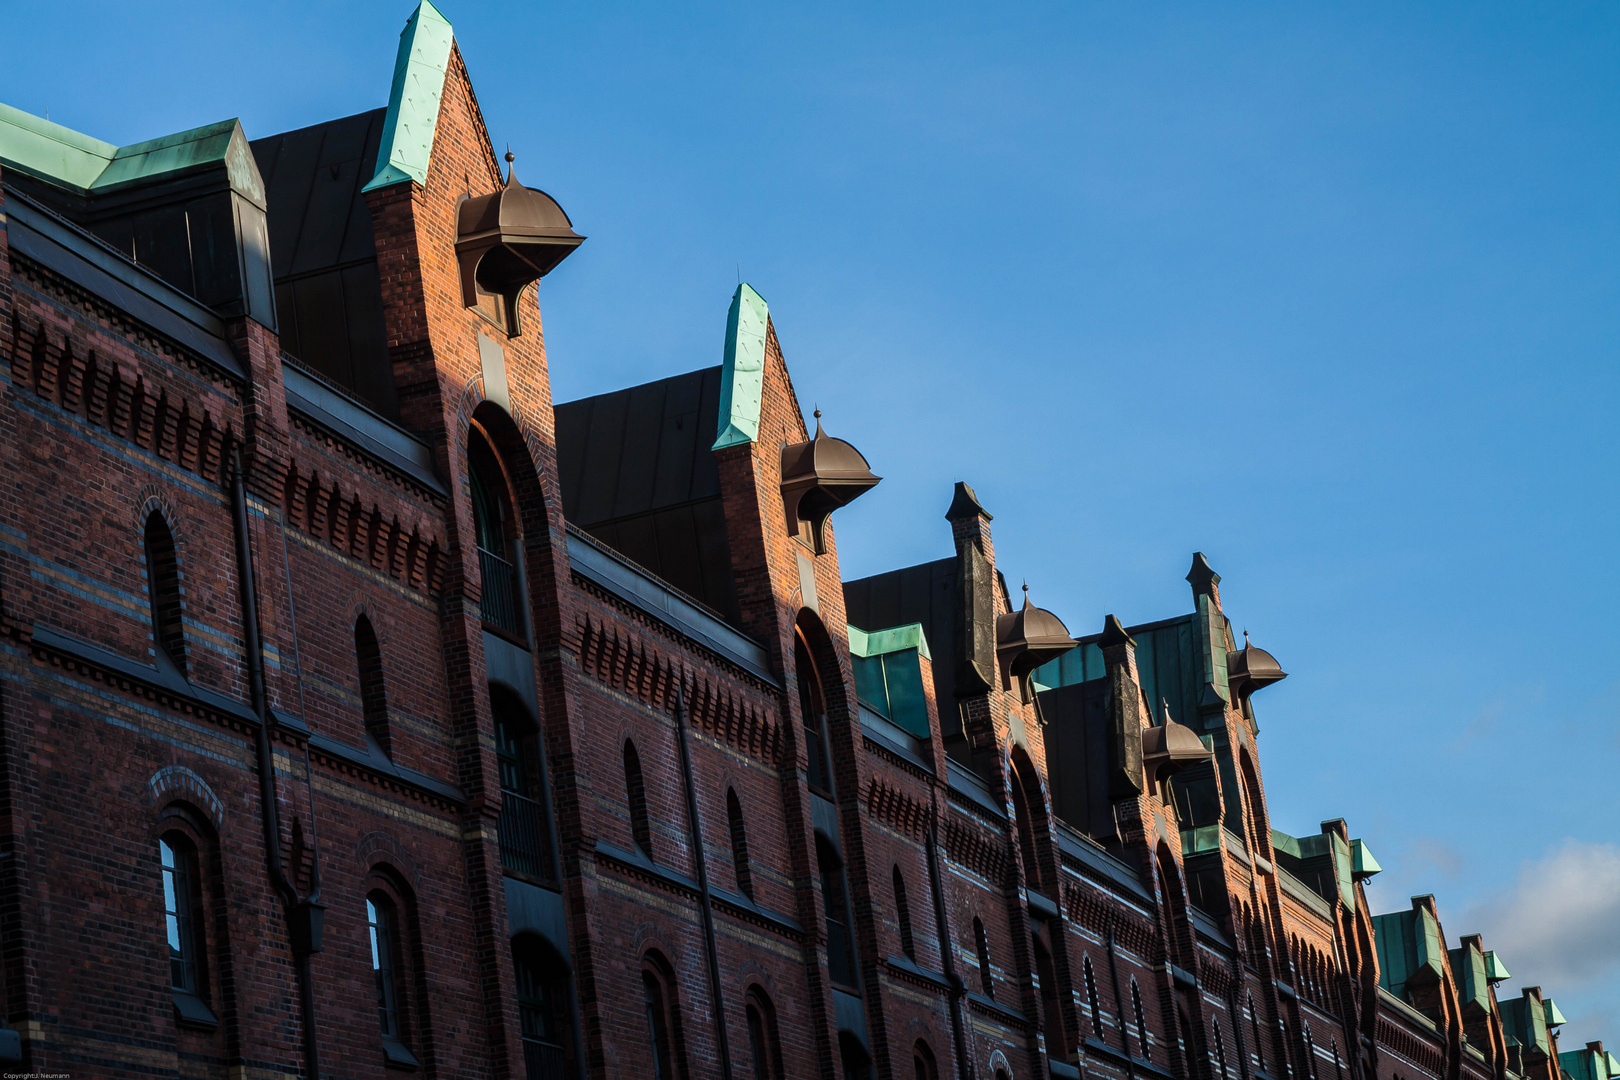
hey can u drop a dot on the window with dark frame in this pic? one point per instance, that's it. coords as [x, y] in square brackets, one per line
[524, 827]
[383, 927]
[840, 939]
[1259, 1042]
[1141, 1022]
[373, 693]
[1098, 1031]
[1220, 1048]
[658, 1005]
[813, 706]
[982, 945]
[739, 845]
[923, 1064]
[500, 599]
[163, 589]
[902, 913]
[180, 875]
[636, 791]
[543, 1008]
[764, 1043]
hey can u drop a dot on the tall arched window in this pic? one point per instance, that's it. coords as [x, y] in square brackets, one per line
[982, 945]
[1257, 805]
[495, 531]
[163, 589]
[813, 706]
[1259, 1041]
[525, 832]
[902, 912]
[1098, 1031]
[1057, 1039]
[1310, 1049]
[543, 1006]
[663, 1015]
[1220, 1048]
[764, 1044]
[1141, 1022]
[184, 908]
[1287, 1048]
[1021, 794]
[739, 845]
[636, 789]
[373, 693]
[840, 937]
[388, 973]
[923, 1064]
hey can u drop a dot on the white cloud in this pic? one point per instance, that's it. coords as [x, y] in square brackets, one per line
[1558, 927]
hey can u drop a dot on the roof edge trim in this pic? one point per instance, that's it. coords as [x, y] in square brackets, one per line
[742, 375]
[867, 644]
[413, 100]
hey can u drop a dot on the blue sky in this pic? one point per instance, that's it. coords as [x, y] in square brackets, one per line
[1327, 292]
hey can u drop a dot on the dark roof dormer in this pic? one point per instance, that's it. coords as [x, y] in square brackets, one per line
[1030, 637]
[818, 477]
[1170, 747]
[508, 239]
[1250, 669]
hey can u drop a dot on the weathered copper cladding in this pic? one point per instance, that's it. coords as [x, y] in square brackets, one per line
[511, 237]
[821, 475]
[1030, 637]
[1250, 669]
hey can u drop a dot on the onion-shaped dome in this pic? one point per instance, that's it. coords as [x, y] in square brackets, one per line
[821, 475]
[510, 237]
[1171, 747]
[1250, 669]
[1030, 637]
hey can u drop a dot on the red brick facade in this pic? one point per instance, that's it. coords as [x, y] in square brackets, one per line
[1099, 959]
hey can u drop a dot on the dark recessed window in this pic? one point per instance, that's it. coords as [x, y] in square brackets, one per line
[179, 912]
[383, 928]
[663, 1024]
[739, 845]
[813, 706]
[840, 940]
[982, 945]
[1097, 1030]
[902, 912]
[1141, 1022]
[543, 1007]
[373, 693]
[163, 588]
[764, 1045]
[523, 827]
[636, 790]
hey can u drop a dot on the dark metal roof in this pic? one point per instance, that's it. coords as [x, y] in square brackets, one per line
[638, 475]
[324, 254]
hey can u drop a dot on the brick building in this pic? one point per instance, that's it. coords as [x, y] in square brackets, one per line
[365, 711]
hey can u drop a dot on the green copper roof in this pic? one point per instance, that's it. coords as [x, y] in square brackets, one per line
[1587, 1064]
[1409, 950]
[1554, 1017]
[79, 163]
[1495, 970]
[742, 377]
[413, 101]
[894, 639]
[1473, 988]
[1363, 865]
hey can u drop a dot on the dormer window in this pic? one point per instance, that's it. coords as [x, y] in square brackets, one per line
[506, 241]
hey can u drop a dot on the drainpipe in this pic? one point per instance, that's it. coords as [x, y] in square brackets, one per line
[947, 958]
[701, 864]
[304, 917]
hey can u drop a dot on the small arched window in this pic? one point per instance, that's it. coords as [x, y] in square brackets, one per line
[183, 917]
[1141, 1022]
[764, 1044]
[1310, 1050]
[663, 1018]
[636, 790]
[1287, 1046]
[1025, 825]
[1220, 1048]
[982, 945]
[739, 845]
[1259, 1041]
[388, 973]
[902, 912]
[524, 827]
[1098, 1031]
[163, 590]
[373, 692]
[494, 529]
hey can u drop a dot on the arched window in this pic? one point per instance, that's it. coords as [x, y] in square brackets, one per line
[1257, 805]
[764, 1044]
[525, 832]
[856, 1061]
[902, 912]
[1310, 1050]
[495, 530]
[1057, 1039]
[1141, 1022]
[840, 939]
[663, 1016]
[1220, 1048]
[982, 945]
[813, 706]
[636, 789]
[183, 917]
[1022, 792]
[388, 973]
[739, 845]
[1259, 1041]
[373, 693]
[1097, 1029]
[543, 1006]
[923, 1065]
[1287, 1046]
[163, 590]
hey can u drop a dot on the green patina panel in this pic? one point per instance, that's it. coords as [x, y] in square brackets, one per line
[413, 100]
[742, 375]
[1473, 988]
[1343, 870]
[888, 674]
[1410, 951]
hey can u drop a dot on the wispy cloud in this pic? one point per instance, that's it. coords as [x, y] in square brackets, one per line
[1558, 927]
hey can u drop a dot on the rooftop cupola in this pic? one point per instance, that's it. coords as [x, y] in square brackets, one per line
[1030, 637]
[820, 476]
[1250, 669]
[508, 239]
[1170, 747]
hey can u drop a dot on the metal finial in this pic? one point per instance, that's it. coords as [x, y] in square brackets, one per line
[1245, 637]
[818, 412]
[510, 157]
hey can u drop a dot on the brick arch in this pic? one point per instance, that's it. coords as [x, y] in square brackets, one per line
[362, 602]
[176, 783]
[378, 850]
[156, 497]
[751, 973]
